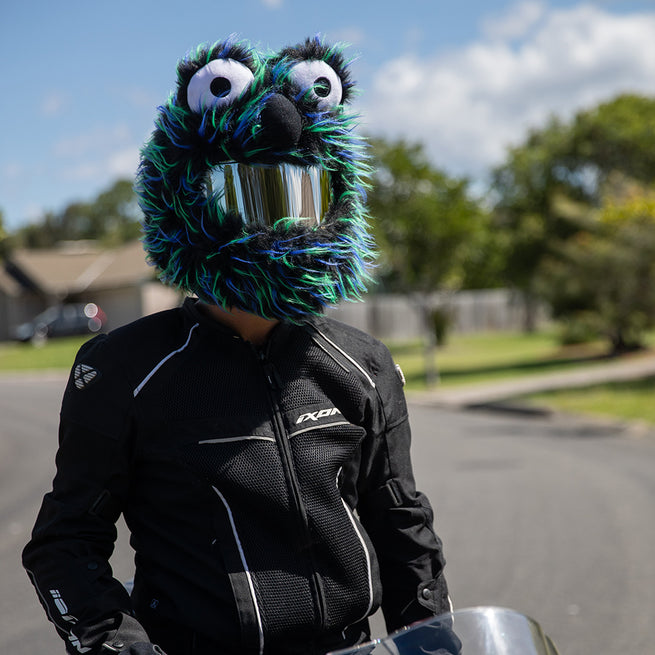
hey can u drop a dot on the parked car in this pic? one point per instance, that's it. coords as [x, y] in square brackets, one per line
[62, 321]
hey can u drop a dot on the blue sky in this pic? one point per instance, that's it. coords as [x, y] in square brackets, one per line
[82, 80]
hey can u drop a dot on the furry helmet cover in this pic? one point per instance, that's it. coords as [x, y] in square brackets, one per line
[284, 232]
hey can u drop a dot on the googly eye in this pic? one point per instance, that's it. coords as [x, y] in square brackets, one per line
[317, 82]
[217, 84]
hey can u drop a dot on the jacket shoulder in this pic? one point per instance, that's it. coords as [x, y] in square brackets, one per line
[375, 358]
[343, 331]
[123, 353]
[150, 327]
[366, 349]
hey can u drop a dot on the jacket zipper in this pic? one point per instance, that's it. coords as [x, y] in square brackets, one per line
[294, 488]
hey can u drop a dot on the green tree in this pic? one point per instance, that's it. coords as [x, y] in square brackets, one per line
[615, 136]
[115, 213]
[4, 237]
[553, 186]
[429, 228]
[602, 283]
[534, 209]
[427, 224]
[42, 234]
[111, 218]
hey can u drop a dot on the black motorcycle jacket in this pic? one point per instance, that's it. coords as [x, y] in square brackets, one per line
[268, 492]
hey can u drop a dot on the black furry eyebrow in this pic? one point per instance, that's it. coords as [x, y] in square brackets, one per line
[237, 51]
[314, 49]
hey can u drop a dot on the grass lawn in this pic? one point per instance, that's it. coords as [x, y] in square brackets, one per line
[632, 401]
[468, 359]
[54, 354]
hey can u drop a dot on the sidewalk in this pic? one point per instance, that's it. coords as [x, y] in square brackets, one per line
[478, 395]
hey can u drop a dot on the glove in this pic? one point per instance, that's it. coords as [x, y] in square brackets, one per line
[128, 638]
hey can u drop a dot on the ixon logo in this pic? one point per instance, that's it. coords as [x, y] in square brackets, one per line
[315, 416]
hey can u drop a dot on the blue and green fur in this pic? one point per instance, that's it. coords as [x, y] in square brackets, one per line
[288, 270]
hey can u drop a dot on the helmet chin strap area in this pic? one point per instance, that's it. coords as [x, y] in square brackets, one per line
[262, 195]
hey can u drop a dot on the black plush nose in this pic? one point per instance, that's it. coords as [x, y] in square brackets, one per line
[281, 124]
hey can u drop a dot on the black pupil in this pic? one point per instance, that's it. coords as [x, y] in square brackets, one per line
[220, 87]
[322, 87]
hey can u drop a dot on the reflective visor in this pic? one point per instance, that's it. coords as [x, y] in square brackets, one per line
[264, 194]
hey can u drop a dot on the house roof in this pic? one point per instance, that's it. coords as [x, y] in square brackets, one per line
[8, 285]
[74, 267]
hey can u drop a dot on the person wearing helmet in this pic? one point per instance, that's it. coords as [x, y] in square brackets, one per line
[258, 450]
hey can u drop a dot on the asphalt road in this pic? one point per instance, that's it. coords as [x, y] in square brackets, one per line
[547, 516]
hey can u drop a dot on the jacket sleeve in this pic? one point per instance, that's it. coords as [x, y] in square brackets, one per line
[397, 517]
[67, 558]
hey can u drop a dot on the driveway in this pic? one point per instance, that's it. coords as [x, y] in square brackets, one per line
[546, 515]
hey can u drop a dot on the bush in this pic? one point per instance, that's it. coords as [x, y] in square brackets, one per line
[578, 328]
[442, 320]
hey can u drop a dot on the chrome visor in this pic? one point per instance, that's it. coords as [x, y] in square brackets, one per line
[264, 194]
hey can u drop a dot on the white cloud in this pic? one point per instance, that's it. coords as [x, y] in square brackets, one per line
[52, 104]
[124, 162]
[469, 104]
[98, 155]
[140, 98]
[352, 35]
[92, 142]
[121, 163]
[272, 4]
[80, 166]
[12, 170]
[515, 22]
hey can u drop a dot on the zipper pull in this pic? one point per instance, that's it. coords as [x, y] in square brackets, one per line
[271, 374]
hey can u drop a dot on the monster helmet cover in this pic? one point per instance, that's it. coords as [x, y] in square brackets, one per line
[252, 183]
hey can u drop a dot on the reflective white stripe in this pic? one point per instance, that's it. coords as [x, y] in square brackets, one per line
[231, 439]
[367, 555]
[246, 570]
[163, 361]
[317, 427]
[368, 559]
[349, 358]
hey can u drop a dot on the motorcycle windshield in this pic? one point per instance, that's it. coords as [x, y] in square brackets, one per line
[472, 631]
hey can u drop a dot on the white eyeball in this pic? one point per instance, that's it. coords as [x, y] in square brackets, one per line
[317, 82]
[217, 84]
